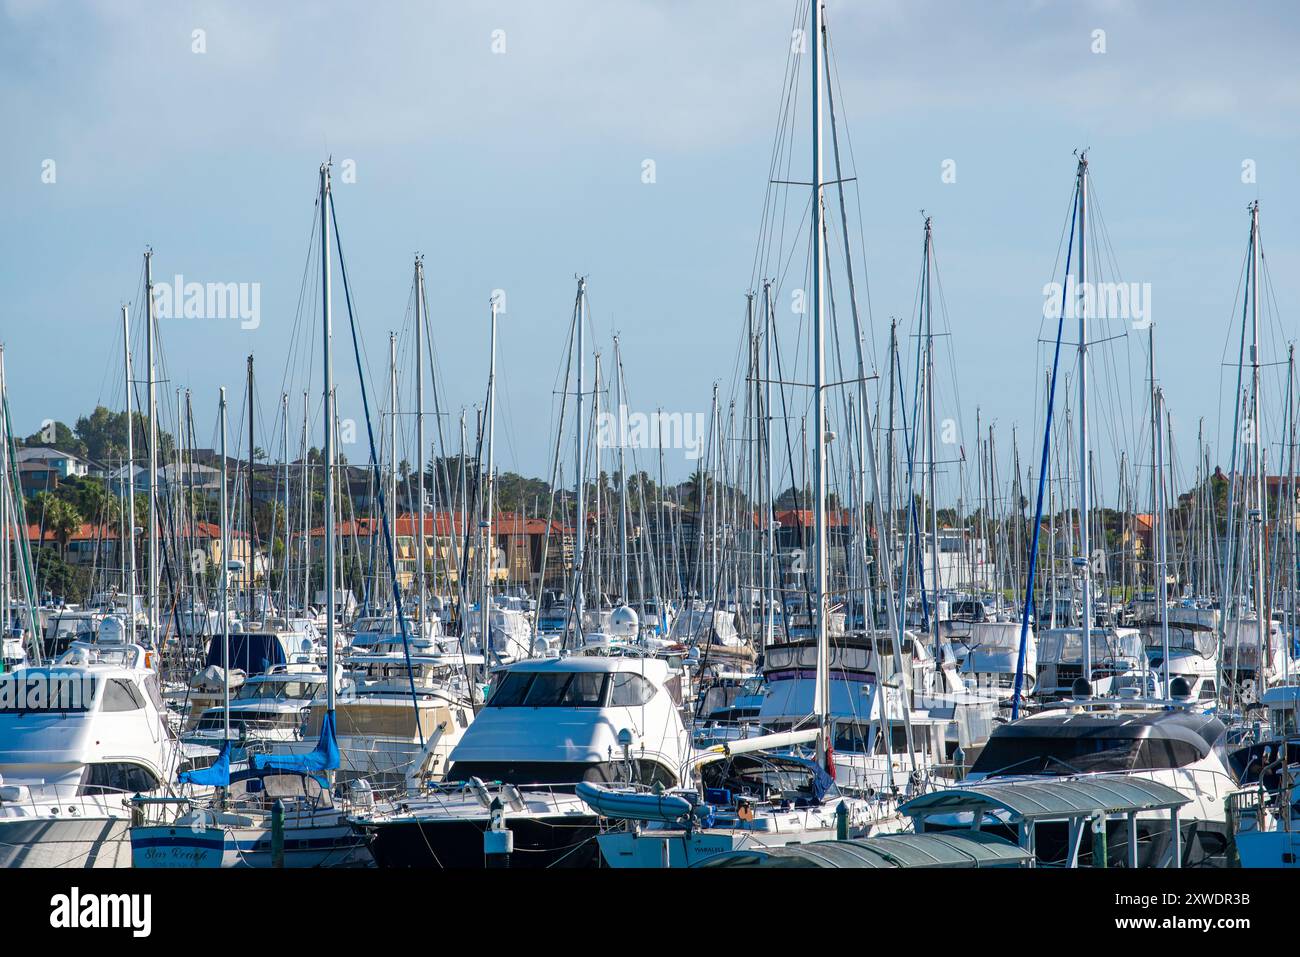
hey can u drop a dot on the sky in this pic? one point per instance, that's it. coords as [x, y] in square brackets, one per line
[507, 142]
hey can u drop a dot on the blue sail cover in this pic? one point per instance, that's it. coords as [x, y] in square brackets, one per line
[324, 757]
[216, 775]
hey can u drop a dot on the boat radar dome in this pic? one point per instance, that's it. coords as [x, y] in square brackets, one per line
[1082, 688]
[1180, 689]
[623, 622]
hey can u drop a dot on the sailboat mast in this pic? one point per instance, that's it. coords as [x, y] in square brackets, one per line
[153, 448]
[1256, 445]
[392, 452]
[622, 478]
[769, 514]
[1155, 428]
[327, 333]
[1291, 514]
[1085, 562]
[306, 509]
[249, 575]
[933, 465]
[490, 497]
[580, 515]
[284, 570]
[225, 580]
[129, 478]
[821, 697]
[1162, 592]
[419, 439]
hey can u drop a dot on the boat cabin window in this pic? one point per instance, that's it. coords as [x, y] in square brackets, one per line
[551, 689]
[278, 690]
[629, 690]
[1283, 722]
[121, 695]
[1055, 755]
[851, 737]
[1157, 753]
[116, 777]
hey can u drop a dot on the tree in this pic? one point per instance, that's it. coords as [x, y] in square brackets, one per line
[56, 576]
[56, 435]
[91, 498]
[103, 434]
[58, 515]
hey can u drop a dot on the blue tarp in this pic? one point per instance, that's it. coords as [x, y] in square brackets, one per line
[216, 775]
[325, 756]
[253, 652]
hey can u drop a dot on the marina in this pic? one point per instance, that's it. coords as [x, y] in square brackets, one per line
[862, 574]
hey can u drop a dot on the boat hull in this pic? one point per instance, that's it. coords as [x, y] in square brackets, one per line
[1268, 848]
[65, 842]
[567, 841]
[334, 845]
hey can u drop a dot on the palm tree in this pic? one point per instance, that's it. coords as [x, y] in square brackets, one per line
[59, 516]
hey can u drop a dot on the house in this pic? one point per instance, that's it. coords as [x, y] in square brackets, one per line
[91, 544]
[205, 545]
[516, 558]
[41, 469]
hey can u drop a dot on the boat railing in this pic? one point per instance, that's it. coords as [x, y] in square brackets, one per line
[56, 801]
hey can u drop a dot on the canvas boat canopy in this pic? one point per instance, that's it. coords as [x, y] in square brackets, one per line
[1051, 800]
[951, 849]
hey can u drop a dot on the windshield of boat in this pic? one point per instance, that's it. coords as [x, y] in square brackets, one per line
[279, 690]
[1080, 754]
[1067, 646]
[550, 689]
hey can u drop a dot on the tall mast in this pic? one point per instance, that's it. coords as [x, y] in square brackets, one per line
[769, 509]
[284, 571]
[1162, 593]
[327, 333]
[129, 478]
[1085, 559]
[1291, 512]
[153, 449]
[419, 439]
[250, 568]
[462, 561]
[392, 451]
[889, 438]
[1256, 446]
[622, 477]
[306, 508]
[225, 581]
[580, 514]
[821, 695]
[490, 497]
[932, 493]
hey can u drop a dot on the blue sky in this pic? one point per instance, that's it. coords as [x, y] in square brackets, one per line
[518, 170]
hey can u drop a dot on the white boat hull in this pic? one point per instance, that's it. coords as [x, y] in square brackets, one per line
[64, 842]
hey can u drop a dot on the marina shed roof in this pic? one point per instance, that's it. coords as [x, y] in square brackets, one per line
[1044, 800]
[949, 849]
